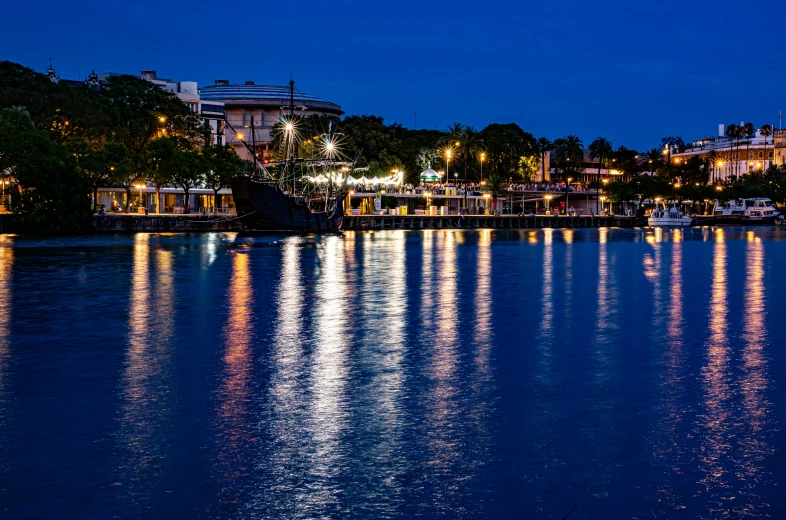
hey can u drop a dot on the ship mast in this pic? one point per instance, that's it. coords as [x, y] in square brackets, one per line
[293, 151]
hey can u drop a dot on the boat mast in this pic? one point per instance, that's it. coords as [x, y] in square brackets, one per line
[293, 151]
[254, 143]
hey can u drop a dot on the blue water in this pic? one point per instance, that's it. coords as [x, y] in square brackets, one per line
[440, 374]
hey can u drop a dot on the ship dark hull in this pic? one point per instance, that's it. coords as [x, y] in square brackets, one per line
[741, 220]
[268, 208]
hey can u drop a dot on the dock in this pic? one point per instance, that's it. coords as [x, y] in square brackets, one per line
[364, 222]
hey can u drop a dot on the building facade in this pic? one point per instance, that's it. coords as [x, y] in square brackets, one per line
[266, 105]
[732, 157]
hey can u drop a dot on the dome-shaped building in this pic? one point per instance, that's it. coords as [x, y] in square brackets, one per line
[267, 104]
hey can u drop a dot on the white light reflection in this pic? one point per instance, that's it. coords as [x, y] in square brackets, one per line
[383, 298]
[606, 297]
[567, 237]
[441, 401]
[328, 408]
[483, 332]
[545, 336]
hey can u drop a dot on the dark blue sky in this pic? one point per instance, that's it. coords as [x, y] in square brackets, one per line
[629, 71]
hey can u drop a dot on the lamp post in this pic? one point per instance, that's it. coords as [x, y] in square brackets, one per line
[482, 159]
[448, 152]
[140, 186]
[602, 200]
[567, 185]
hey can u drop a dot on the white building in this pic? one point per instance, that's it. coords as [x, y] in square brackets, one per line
[731, 157]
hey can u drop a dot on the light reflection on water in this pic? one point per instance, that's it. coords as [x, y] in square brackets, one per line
[398, 374]
[6, 296]
[236, 391]
[145, 385]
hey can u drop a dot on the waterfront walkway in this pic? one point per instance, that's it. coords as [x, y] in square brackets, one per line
[361, 222]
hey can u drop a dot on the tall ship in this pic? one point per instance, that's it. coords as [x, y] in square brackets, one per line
[745, 212]
[295, 193]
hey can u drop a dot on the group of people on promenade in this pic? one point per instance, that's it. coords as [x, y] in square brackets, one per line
[437, 188]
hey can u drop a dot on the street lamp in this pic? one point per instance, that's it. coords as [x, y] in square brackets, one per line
[567, 184]
[602, 200]
[482, 159]
[140, 186]
[448, 153]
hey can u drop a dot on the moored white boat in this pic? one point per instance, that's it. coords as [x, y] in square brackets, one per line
[662, 216]
[745, 212]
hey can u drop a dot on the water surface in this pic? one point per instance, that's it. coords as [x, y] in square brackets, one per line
[453, 374]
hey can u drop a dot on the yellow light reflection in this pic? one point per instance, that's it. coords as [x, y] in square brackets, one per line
[235, 392]
[6, 296]
[715, 421]
[755, 445]
[145, 377]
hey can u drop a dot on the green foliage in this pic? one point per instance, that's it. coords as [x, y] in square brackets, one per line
[505, 145]
[389, 202]
[51, 197]
[528, 167]
[569, 152]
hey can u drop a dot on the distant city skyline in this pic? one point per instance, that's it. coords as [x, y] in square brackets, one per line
[630, 73]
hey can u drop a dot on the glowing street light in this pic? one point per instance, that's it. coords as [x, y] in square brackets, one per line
[240, 137]
[162, 119]
[482, 159]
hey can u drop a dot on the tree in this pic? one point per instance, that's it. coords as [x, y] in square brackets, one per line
[528, 167]
[125, 166]
[748, 131]
[733, 132]
[672, 143]
[599, 149]
[426, 157]
[505, 145]
[654, 159]
[494, 187]
[544, 147]
[570, 155]
[221, 163]
[50, 196]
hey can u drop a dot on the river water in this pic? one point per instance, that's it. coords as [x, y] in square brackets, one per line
[441, 374]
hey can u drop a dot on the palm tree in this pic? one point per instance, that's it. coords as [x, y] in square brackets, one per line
[732, 131]
[569, 149]
[765, 131]
[469, 143]
[544, 147]
[600, 148]
[748, 131]
[654, 159]
[494, 187]
[449, 140]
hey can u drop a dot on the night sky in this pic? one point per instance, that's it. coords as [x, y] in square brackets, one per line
[629, 71]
